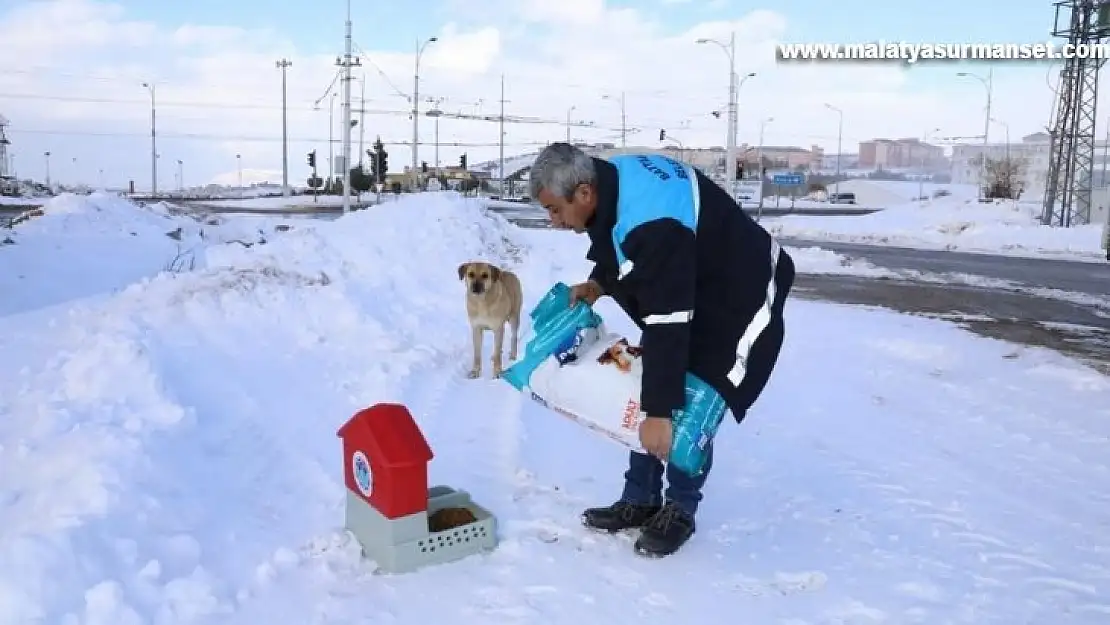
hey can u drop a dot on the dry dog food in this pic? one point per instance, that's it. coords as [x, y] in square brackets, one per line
[449, 518]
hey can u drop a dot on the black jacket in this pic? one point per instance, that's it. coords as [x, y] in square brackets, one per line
[721, 274]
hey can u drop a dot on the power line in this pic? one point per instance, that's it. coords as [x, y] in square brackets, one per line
[510, 119]
[248, 138]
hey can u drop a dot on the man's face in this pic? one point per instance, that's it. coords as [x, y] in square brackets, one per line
[572, 214]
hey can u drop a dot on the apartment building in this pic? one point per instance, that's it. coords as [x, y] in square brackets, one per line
[909, 153]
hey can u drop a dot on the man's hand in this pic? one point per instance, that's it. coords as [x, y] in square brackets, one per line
[655, 436]
[588, 291]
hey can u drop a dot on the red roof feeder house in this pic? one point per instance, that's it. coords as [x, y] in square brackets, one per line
[401, 523]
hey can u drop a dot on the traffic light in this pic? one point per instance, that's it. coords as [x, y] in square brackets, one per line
[423, 167]
[662, 134]
[462, 161]
[740, 171]
[312, 159]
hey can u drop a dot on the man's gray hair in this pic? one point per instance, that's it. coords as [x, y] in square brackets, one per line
[560, 168]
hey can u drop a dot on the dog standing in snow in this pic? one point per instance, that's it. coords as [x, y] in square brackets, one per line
[494, 298]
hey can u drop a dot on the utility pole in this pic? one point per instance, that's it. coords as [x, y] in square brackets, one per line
[733, 121]
[839, 144]
[362, 119]
[1105, 153]
[416, 110]
[283, 65]
[153, 142]
[624, 124]
[346, 62]
[501, 137]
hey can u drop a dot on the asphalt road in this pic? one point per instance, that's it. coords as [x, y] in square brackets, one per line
[1080, 277]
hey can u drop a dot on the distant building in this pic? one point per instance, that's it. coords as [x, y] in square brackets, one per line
[783, 156]
[910, 153]
[1031, 153]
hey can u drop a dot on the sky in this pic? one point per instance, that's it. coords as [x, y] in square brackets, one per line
[72, 75]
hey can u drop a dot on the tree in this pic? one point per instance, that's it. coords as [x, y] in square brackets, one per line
[1004, 178]
[360, 182]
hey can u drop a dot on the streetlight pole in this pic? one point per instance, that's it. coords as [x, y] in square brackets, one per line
[624, 119]
[759, 158]
[436, 112]
[347, 61]
[839, 144]
[416, 109]
[47, 155]
[987, 83]
[921, 178]
[239, 166]
[181, 175]
[283, 65]
[153, 142]
[733, 108]
[569, 111]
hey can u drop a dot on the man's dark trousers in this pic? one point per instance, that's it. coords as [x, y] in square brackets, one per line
[643, 482]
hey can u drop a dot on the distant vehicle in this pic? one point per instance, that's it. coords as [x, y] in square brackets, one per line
[842, 198]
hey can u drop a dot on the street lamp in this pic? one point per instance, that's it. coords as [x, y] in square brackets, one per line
[624, 126]
[569, 111]
[987, 83]
[759, 157]
[416, 108]
[839, 138]
[436, 113]
[733, 104]
[921, 178]
[153, 143]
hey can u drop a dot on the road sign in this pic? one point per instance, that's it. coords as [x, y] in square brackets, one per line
[748, 191]
[788, 180]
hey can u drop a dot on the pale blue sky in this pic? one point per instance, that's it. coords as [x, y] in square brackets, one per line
[220, 91]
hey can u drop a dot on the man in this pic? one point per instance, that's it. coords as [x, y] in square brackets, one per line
[706, 285]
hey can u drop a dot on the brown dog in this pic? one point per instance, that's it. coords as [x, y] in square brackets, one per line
[493, 298]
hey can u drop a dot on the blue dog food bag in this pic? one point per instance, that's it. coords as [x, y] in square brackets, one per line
[565, 369]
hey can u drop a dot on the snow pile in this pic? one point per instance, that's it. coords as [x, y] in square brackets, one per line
[950, 223]
[168, 455]
[815, 260]
[81, 245]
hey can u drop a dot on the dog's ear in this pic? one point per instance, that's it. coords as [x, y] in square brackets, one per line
[494, 273]
[462, 270]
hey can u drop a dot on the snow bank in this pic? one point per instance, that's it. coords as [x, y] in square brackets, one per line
[168, 455]
[951, 223]
[84, 245]
[162, 427]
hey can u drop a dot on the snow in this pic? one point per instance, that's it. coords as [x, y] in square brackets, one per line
[953, 223]
[280, 202]
[74, 249]
[168, 451]
[19, 202]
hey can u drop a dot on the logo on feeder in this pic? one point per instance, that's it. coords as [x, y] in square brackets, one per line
[360, 467]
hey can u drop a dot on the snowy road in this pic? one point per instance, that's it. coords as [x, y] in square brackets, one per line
[1075, 276]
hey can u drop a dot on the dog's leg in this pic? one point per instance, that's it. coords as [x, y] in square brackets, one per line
[514, 339]
[498, 346]
[476, 339]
